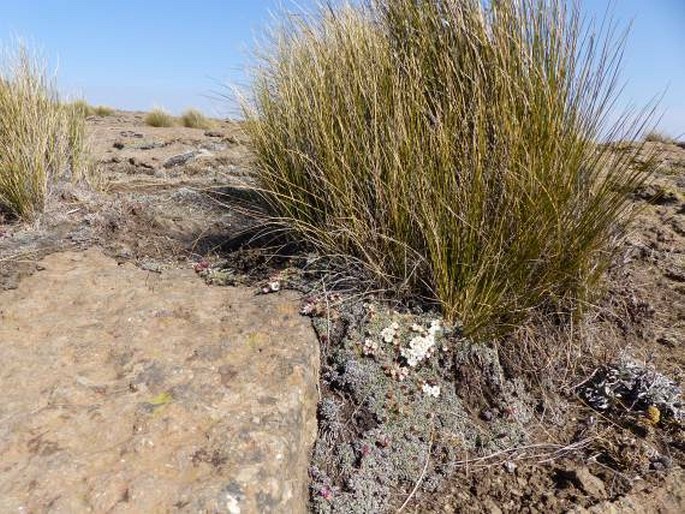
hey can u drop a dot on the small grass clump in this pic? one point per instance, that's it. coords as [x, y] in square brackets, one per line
[103, 110]
[449, 148]
[75, 131]
[159, 118]
[192, 118]
[84, 109]
[655, 136]
[41, 139]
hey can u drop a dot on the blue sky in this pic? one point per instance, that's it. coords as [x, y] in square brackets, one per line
[136, 54]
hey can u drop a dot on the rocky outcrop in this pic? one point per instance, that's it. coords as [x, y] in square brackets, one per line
[131, 391]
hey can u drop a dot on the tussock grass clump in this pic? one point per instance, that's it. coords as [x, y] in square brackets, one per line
[41, 139]
[192, 118]
[159, 118]
[74, 128]
[103, 110]
[449, 149]
[655, 136]
[84, 109]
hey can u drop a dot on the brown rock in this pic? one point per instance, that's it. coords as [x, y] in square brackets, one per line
[584, 480]
[152, 392]
[180, 159]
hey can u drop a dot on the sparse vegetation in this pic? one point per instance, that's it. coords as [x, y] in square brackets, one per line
[655, 136]
[40, 138]
[78, 155]
[159, 118]
[84, 109]
[448, 150]
[192, 118]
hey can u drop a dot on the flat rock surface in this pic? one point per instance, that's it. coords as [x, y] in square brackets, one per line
[131, 391]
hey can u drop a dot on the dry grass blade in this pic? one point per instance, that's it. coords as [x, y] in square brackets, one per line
[192, 118]
[159, 118]
[452, 148]
[41, 139]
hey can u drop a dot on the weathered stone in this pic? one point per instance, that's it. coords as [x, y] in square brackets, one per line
[125, 390]
[668, 497]
[151, 145]
[131, 133]
[586, 481]
[180, 159]
[143, 164]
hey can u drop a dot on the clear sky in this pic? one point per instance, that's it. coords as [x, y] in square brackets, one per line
[136, 54]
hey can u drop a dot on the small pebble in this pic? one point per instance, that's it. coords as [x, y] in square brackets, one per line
[509, 466]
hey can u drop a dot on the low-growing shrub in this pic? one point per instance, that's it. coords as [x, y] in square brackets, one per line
[41, 139]
[192, 118]
[449, 149]
[159, 118]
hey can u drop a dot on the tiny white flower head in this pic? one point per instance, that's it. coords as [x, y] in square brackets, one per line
[399, 372]
[388, 334]
[430, 390]
[370, 347]
[435, 327]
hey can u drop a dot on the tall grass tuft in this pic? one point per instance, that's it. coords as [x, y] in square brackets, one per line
[192, 118]
[82, 108]
[103, 110]
[655, 136]
[449, 149]
[41, 139]
[159, 118]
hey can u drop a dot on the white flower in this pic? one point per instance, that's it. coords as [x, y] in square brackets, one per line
[421, 346]
[430, 390]
[418, 328]
[435, 327]
[308, 308]
[399, 372]
[388, 334]
[370, 347]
